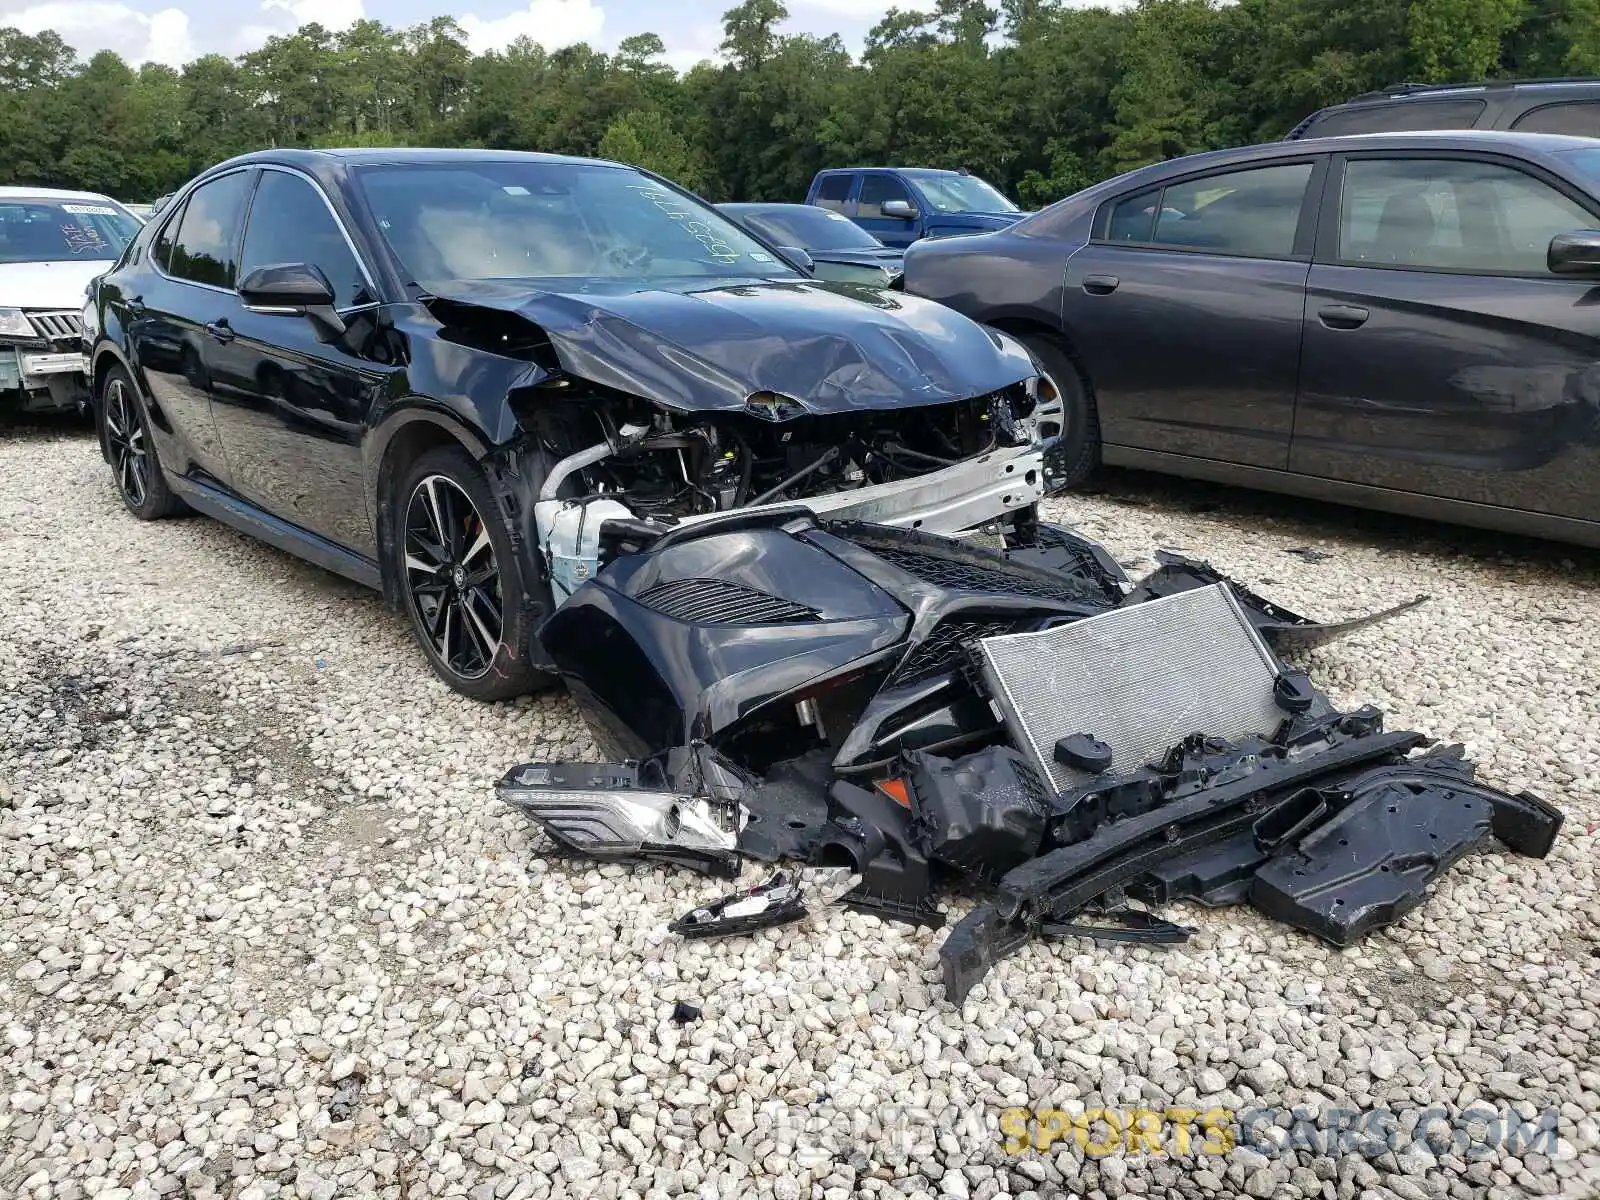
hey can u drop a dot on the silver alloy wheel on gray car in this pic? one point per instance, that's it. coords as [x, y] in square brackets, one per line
[1049, 413]
[452, 578]
[125, 436]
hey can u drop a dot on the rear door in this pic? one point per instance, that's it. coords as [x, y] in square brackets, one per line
[170, 319]
[1186, 307]
[877, 189]
[1441, 355]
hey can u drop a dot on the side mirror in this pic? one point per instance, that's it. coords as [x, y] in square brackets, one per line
[293, 289]
[799, 259]
[902, 210]
[1575, 253]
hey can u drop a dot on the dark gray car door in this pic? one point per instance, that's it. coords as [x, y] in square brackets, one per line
[1186, 308]
[1441, 355]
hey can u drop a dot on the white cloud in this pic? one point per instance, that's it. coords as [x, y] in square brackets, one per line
[551, 23]
[689, 48]
[330, 14]
[90, 26]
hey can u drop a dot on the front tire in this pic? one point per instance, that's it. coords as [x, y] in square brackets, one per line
[1078, 455]
[132, 452]
[464, 585]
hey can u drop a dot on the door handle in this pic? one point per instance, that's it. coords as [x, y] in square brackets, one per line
[220, 330]
[135, 306]
[1343, 316]
[1100, 285]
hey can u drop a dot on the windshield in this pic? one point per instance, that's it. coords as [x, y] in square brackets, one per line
[1587, 161]
[553, 220]
[812, 228]
[960, 193]
[57, 230]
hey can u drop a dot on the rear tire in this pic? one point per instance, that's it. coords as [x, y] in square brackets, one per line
[463, 584]
[135, 465]
[1078, 455]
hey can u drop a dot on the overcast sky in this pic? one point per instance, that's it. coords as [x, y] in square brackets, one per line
[175, 31]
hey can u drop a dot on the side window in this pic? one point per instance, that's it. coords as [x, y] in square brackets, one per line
[1451, 214]
[289, 223]
[1254, 213]
[164, 240]
[835, 190]
[1134, 218]
[876, 191]
[208, 231]
[1580, 117]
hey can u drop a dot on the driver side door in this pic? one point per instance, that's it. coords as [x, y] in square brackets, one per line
[1441, 355]
[293, 410]
[877, 189]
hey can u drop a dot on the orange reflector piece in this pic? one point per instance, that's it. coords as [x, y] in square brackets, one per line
[897, 791]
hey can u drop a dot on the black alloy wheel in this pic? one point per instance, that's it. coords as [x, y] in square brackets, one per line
[452, 577]
[131, 452]
[464, 584]
[126, 441]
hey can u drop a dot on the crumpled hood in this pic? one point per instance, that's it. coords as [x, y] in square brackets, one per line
[58, 285]
[709, 345]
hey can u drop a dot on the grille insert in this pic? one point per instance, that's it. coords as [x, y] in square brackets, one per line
[1141, 679]
[941, 650]
[58, 326]
[720, 602]
[960, 575]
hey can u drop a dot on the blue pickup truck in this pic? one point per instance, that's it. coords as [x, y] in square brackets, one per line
[899, 205]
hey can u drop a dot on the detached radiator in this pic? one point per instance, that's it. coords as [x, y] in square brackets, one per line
[1139, 679]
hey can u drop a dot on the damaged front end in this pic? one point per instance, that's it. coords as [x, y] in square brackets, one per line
[636, 416]
[918, 712]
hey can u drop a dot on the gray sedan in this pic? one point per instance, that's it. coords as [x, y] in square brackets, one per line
[1399, 321]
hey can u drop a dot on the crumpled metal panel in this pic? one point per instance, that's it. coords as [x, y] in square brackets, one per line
[1140, 679]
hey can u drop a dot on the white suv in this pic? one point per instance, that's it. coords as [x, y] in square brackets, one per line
[52, 243]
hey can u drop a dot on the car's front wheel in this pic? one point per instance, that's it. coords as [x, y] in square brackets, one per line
[132, 452]
[463, 583]
[1074, 410]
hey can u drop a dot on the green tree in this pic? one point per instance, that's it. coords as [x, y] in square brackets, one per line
[647, 138]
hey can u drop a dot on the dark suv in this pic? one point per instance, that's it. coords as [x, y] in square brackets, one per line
[1570, 106]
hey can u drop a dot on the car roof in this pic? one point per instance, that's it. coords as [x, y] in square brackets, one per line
[403, 156]
[1413, 91]
[1454, 139]
[44, 193]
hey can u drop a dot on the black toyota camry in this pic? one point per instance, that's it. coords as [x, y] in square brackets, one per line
[473, 379]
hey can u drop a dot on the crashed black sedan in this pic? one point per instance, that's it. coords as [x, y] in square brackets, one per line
[474, 379]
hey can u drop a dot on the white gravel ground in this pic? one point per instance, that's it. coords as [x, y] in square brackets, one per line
[264, 930]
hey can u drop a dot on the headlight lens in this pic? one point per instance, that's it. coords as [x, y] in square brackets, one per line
[14, 323]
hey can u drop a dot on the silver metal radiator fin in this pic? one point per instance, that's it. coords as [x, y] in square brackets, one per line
[1140, 679]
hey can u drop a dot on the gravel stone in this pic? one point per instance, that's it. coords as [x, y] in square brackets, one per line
[252, 872]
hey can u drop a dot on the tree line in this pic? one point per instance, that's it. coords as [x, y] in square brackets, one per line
[1040, 98]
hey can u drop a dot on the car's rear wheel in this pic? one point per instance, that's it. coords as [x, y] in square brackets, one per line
[1079, 452]
[463, 583]
[132, 452]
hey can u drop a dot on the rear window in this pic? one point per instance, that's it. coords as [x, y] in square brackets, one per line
[1400, 117]
[1579, 117]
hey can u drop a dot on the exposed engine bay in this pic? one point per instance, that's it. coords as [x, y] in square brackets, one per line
[624, 471]
[909, 711]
